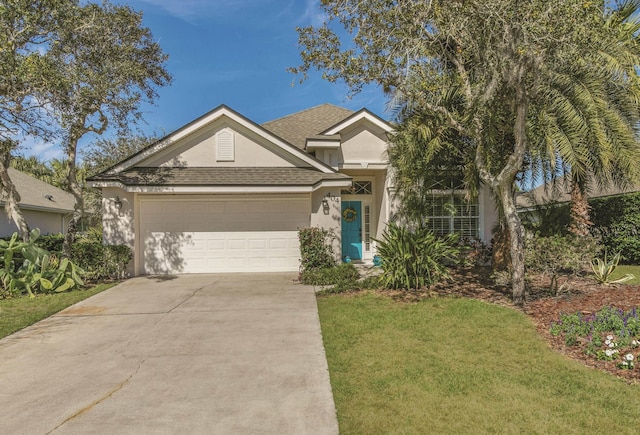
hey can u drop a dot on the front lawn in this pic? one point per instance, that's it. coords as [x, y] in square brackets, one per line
[455, 365]
[19, 313]
[623, 270]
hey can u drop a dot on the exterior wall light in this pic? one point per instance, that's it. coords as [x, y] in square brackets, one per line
[328, 197]
[118, 203]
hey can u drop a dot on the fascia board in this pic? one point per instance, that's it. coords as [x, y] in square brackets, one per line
[322, 144]
[227, 189]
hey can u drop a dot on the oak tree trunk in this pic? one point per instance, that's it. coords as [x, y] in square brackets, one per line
[500, 248]
[516, 236]
[12, 199]
[76, 191]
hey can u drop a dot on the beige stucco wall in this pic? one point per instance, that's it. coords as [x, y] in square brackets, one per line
[118, 225]
[47, 222]
[199, 150]
[327, 218]
[362, 145]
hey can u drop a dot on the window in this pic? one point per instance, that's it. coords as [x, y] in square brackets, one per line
[331, 158]
[359, 188]
[225, 146]
[452, 213]
[367, 228]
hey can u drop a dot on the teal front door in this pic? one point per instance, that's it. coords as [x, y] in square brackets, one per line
[351, 230]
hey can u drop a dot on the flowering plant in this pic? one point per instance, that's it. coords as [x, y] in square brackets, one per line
[610, 334]
[627, 362]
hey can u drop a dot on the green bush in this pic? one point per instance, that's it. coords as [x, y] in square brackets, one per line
[414, 259]
[25, 268]
[343, 277]
[51, 242]
[100, 261]
[556, 254]
[316, 251]
[617, 221]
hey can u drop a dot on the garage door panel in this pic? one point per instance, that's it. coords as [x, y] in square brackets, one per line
[258, 244]
[221, 236]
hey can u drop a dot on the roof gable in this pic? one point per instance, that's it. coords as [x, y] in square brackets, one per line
[359, 116]
[174, 139]
[298, 127]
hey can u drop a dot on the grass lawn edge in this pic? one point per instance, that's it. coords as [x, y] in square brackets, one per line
[19, 313]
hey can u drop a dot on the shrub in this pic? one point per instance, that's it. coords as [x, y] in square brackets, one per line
[617, 220]
[101, 261]
[473, 252]
[25, 268]
[553, 255]
[316, 249]
[343, 277]
[51, 242]
[414, 259]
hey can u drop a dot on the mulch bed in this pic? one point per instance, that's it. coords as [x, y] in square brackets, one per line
[580, 294]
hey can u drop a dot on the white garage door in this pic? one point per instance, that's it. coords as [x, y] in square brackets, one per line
[233, 234]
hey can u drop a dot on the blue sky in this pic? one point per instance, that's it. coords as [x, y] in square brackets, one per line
[233, 52]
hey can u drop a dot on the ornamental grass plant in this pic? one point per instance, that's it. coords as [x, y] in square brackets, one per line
[415, 258]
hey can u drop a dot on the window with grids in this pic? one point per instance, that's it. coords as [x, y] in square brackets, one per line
[452, 213]
[359, 188]
[367, 228]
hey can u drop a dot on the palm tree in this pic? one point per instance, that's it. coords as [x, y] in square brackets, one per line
[588, 132]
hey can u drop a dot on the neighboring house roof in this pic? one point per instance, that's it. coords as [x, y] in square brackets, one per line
[232, 176]
[38, 195]
[296, 128]
[560, 192]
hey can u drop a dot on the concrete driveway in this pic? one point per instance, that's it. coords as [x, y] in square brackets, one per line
[192, 354]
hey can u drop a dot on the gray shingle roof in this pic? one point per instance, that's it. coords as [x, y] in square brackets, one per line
[561, 192]
[37, 194]
[200, 176]
[296, 128]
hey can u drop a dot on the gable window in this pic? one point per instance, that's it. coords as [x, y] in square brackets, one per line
[225, 146]
[331, 158]
[359, 188]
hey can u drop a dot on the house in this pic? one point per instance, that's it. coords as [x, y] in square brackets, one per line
[560, 194]
[224, 194]
[43, 206]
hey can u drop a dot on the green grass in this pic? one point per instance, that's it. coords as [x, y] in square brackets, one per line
[460, 366]
[19, 313]
[622, 270]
